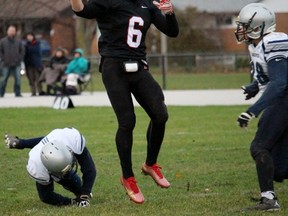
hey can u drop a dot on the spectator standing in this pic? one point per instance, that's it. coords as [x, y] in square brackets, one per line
[12, 54]
[33, 63]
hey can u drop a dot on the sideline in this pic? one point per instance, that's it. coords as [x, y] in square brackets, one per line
[174, 98]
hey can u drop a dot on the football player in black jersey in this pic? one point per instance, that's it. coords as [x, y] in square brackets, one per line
[123, 25]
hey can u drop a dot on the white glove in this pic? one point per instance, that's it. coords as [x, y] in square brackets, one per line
[244, 118]
[165, 6]
[81, 201]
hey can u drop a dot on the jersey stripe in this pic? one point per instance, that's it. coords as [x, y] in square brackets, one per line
[276, 46]
[45, 140]
[276, 49]
[81, 142]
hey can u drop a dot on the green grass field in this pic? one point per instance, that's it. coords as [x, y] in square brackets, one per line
[204, 155]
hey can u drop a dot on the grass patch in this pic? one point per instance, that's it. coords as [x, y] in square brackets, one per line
[204, 155]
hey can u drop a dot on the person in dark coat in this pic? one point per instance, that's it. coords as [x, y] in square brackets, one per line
[12, 53]
[33, 63]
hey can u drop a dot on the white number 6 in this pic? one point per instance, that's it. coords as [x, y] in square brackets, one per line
[134, 35]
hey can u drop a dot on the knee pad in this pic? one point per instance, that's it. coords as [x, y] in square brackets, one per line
[256, 151]
[161, 117]
[127, 121]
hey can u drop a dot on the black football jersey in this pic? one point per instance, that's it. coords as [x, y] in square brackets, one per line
[124, 23]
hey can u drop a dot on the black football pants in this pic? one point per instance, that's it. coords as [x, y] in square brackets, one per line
[119, 86]
[270, 145]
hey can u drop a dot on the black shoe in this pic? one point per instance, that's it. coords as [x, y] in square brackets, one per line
[42, 93]
[18, 95]
[265, 204]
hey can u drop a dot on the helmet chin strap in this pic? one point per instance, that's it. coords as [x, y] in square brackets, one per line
[72, 172]
[76, 166]
[262, 30]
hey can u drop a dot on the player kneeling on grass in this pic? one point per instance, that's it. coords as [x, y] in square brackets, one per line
[55, 158]
[269, 60]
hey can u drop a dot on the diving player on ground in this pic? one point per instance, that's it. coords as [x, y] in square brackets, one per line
[55, 158]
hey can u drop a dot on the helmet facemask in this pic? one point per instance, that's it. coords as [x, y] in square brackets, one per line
[245, 30]
[254, 21]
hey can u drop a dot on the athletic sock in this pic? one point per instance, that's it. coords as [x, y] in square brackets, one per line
[268, 194]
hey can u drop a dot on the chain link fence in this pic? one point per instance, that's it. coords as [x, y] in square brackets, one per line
[191, 63]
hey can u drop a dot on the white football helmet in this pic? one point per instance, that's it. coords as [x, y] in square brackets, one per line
[254, 21]
[58, 158]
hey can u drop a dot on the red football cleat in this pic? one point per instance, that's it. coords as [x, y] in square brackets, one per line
[155, 172]
[132, 189]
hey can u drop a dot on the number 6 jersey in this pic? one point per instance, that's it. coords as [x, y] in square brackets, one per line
[124, 23]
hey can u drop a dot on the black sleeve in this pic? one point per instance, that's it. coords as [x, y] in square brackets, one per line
[88, 169]
[30, 143]
[93, 9]
[47, 195]
[277, 71]
[166, 23]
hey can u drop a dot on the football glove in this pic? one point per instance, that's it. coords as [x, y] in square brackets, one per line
[81, 201]
[244, 118]
[165, 6]
[250, 90]
[12, 142]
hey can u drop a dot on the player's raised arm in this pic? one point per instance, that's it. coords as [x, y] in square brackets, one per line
[77, 5]
[165, 6]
